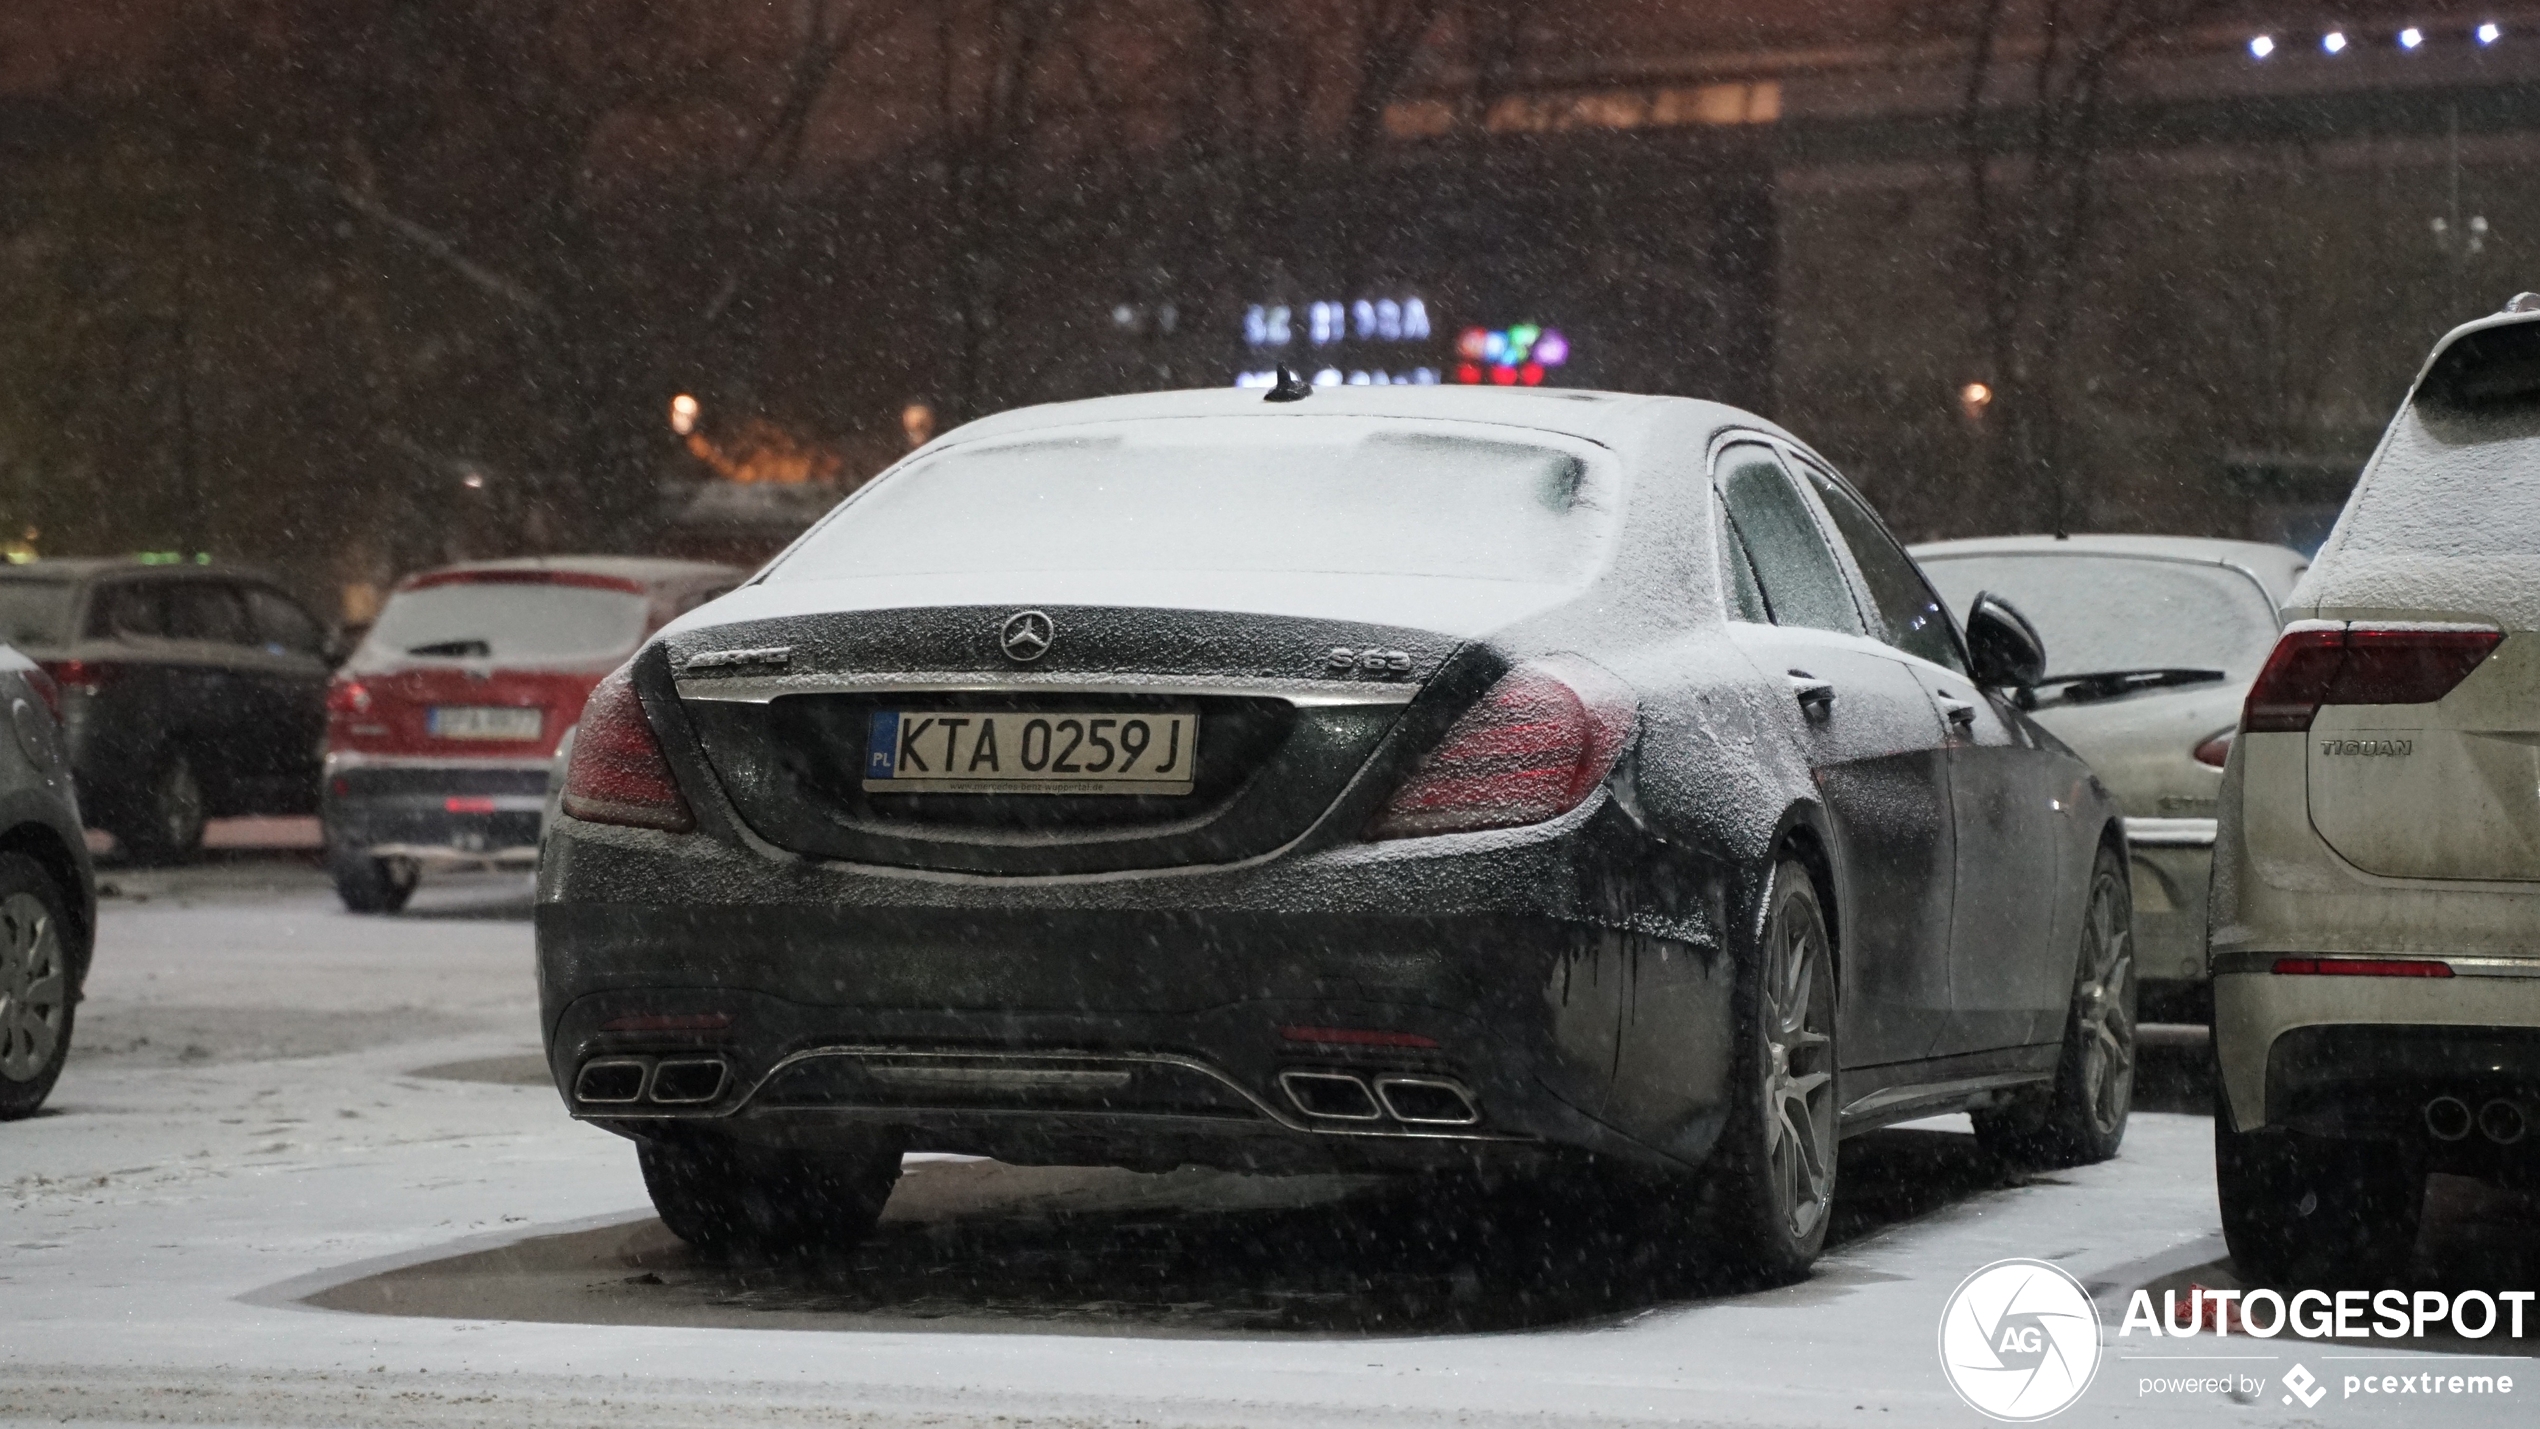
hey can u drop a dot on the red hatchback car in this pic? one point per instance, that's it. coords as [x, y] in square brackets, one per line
[441, 728]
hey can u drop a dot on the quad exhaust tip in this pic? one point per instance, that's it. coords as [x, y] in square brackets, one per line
[2447, 1118]
[670, 1081]
[2502, 1122]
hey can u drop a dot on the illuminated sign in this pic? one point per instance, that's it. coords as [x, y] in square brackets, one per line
[1518, 356]
[1327, 323]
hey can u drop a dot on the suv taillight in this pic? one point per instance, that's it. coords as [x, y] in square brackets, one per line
[41, 681]
[1533, 747]
[617, 774]
[2359, 665]
[81, 677]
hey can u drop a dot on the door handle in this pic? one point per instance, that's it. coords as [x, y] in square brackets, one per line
[1958, 712]
[1815, 696]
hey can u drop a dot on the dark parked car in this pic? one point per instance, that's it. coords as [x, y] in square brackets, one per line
[1383, 779]
[188, 692]
[48, 900]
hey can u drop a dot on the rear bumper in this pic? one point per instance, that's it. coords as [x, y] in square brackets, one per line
[436, 811]
[2336, 1054]
[1187, 1016]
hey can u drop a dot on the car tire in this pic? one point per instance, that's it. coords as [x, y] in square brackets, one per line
[2084, 1116]
[725, 1198]
[163, 819]
[2316, 1211]
[373, 885]
[1772, 1175]
[39, 992]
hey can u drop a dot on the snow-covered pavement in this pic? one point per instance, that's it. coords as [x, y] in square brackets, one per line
[297, 1173]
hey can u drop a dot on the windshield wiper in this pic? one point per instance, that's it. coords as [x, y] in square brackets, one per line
[454, 649]
[2108, 684]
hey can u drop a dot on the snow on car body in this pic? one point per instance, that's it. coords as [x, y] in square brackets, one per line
[441, 726]
[2156, 639]
[2376, 903]
[1535, 810]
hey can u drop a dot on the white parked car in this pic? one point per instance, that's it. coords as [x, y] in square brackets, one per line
[2155, 640]
[2376, 898]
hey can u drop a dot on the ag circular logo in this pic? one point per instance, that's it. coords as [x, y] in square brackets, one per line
[2020, 1340]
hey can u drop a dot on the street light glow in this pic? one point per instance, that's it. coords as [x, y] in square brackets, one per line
[2262, 46]
[2490, 33]
[2334, 42]
[683, 414]
[2411, 37]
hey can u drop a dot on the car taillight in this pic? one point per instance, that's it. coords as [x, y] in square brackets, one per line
[2363, 967]
[347, 697]
[80, 677]
[2216, 748]
[617, 774]
[2359, 665]
[42, 683]
[1535, 746]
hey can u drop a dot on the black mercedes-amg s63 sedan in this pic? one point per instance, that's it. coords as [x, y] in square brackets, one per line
[1412, 778]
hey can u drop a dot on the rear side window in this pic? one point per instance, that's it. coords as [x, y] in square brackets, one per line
[128, 610]
[1802, 581]
[201, 610]
[1737, 572]
[1915, 619]
[281, 625]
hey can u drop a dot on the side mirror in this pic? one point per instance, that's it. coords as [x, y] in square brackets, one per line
[2004, 647]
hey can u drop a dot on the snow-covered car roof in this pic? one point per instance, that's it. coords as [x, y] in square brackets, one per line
[1607, 418]
[2273, 567]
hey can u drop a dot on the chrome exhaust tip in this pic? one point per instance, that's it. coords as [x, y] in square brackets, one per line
[1427, 1101]
[1330, 1096]
[2447, 1118]
[611, 1081]
[686, 1081]
[2502, 1122]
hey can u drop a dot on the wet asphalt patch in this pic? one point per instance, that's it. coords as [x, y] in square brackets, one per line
[981, 1246]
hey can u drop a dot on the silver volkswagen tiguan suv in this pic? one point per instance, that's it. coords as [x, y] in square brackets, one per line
[2376, 898]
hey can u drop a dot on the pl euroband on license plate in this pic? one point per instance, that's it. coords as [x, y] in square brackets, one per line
[1024, 752]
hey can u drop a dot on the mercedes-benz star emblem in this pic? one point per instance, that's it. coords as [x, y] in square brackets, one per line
[1026, 636]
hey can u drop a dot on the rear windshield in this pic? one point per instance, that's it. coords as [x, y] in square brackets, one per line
[35, 612]
[511, 622]
[1309, 495]
[2100, 614]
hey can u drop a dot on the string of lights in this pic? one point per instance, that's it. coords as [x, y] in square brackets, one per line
[2411, 38]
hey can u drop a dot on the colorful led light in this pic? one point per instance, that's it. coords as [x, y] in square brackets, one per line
[2262, 46]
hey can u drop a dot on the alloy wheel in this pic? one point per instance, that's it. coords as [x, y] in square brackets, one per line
[1799, 1110]
[2106, 1004]
[34, 991]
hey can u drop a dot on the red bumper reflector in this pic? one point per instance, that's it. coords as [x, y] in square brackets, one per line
[1356, 1037]
[670, 1022]
[2364, 967]
[467, 804]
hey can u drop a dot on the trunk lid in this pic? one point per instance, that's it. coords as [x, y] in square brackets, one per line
[1282, 723]
[2449, 789]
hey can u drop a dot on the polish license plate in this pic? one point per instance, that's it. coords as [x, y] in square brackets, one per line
[923, 751]
[483, 722]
